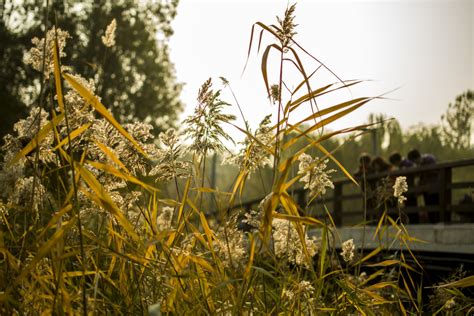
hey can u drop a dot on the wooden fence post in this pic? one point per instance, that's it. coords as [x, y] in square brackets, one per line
[337, 198]
[445, 180]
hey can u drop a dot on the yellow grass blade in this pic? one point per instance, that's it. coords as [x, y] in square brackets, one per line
[113, 171]
[45, 249]
[464, 282]
[370, 255]
[207, 229]
[101, 109]
[269, 207]
[103, 198]
[57, 76]
[73, 135]
[183, 201]
[264, 65]
[111, 155]
[328, 120]
[341, 167]
[201, 262]
[298, 219]
[37, 139]
[385, 263]
[251, 256]
[54, 220]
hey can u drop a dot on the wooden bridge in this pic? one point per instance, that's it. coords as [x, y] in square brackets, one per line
[451, 232]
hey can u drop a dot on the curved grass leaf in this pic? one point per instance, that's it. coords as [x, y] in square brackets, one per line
[101, 109]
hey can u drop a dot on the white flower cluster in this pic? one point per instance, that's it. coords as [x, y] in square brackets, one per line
[109, 38]
[168, 167]
[302, 292]
[204, 126]
[231, 246]
[253, 218]
[348, 249]
[165, 218]
[254, 152]
[34, 56]
[399, 188]
[288, 246]
[16, 180]
[315, 176]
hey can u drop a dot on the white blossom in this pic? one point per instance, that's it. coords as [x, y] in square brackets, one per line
[315, 176]
[348, 250]
[231, 245]
[34, 56]
[399, 188]
[288, 246]
[254, 152]
[165, 218]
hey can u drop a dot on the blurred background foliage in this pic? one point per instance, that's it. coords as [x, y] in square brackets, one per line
[135, 77]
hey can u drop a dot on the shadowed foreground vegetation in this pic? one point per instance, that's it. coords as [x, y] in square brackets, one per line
[86, 227]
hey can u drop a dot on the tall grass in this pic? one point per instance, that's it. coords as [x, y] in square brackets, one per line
[86, 226]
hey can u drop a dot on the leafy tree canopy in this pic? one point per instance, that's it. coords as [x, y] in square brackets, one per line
[135, 77]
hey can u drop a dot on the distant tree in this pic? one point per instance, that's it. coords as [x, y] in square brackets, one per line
[425, 138]
[135, 77]
[457, 121]
[395, 137]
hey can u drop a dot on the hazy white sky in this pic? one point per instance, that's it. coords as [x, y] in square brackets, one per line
[425, 48]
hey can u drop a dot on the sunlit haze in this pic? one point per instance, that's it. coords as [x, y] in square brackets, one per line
[423, 48]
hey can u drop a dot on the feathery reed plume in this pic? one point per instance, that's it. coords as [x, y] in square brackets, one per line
[204, 127]
[109, 38]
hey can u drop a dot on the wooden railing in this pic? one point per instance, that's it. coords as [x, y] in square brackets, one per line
[347, 202]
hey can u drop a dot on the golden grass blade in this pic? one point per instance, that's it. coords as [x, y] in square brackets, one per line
[341, 167]
[101, 109]
[379, 225]
[299, 219]
[201, 262]
[326, 111]
[205, 289]
[289, 205]
[294, 104]
[248, 269]
[37, 139]
[408, 291]
[54, 220]
[211, 190]
[322, 251]
[73, 135]
[464, 282]
[328, 120]
[103, 198]
[300, 67]
[207, 229]
[57, 76]
[73, 274]
[320, 92]
[402, 308]
[183, 201]
[370, 255]
[111, 155]
[119, 174]
[45, 249]
[264, 65]
[384, 263]
[237, 185]
[269, 207]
